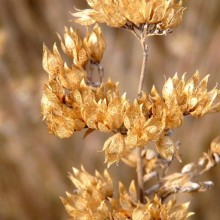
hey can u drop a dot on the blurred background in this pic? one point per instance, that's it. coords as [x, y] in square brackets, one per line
[34, 164]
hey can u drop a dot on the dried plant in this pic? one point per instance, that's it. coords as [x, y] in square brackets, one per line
[73, 100]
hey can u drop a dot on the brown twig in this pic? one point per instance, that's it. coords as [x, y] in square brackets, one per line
[140, 173]
[144, 62]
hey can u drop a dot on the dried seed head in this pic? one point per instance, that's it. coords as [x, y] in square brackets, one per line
[93, 199]
[73, 47]
[70, 103]
[95, 44]
[165, 14]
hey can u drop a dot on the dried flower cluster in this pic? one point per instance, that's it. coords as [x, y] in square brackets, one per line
[94, 199]
[73, 101]
[118, 13]
[62, 100]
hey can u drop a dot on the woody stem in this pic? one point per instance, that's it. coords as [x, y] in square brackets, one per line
[140, 172]
[144, 66]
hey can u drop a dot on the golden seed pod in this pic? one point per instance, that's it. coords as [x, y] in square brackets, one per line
[52, 62]
[114, 148]
[95, 44]
[73, 47]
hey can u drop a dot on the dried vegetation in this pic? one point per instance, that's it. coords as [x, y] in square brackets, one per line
[74, 101]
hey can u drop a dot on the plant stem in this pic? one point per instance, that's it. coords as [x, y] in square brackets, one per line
[144, 65]
[140, 175]
[139, 170]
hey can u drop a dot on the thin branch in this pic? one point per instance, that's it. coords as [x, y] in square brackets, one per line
[140, 173]
[144, 65]
[141, 32]
[133, 30]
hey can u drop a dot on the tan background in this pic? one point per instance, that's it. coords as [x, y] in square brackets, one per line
[34, 164]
